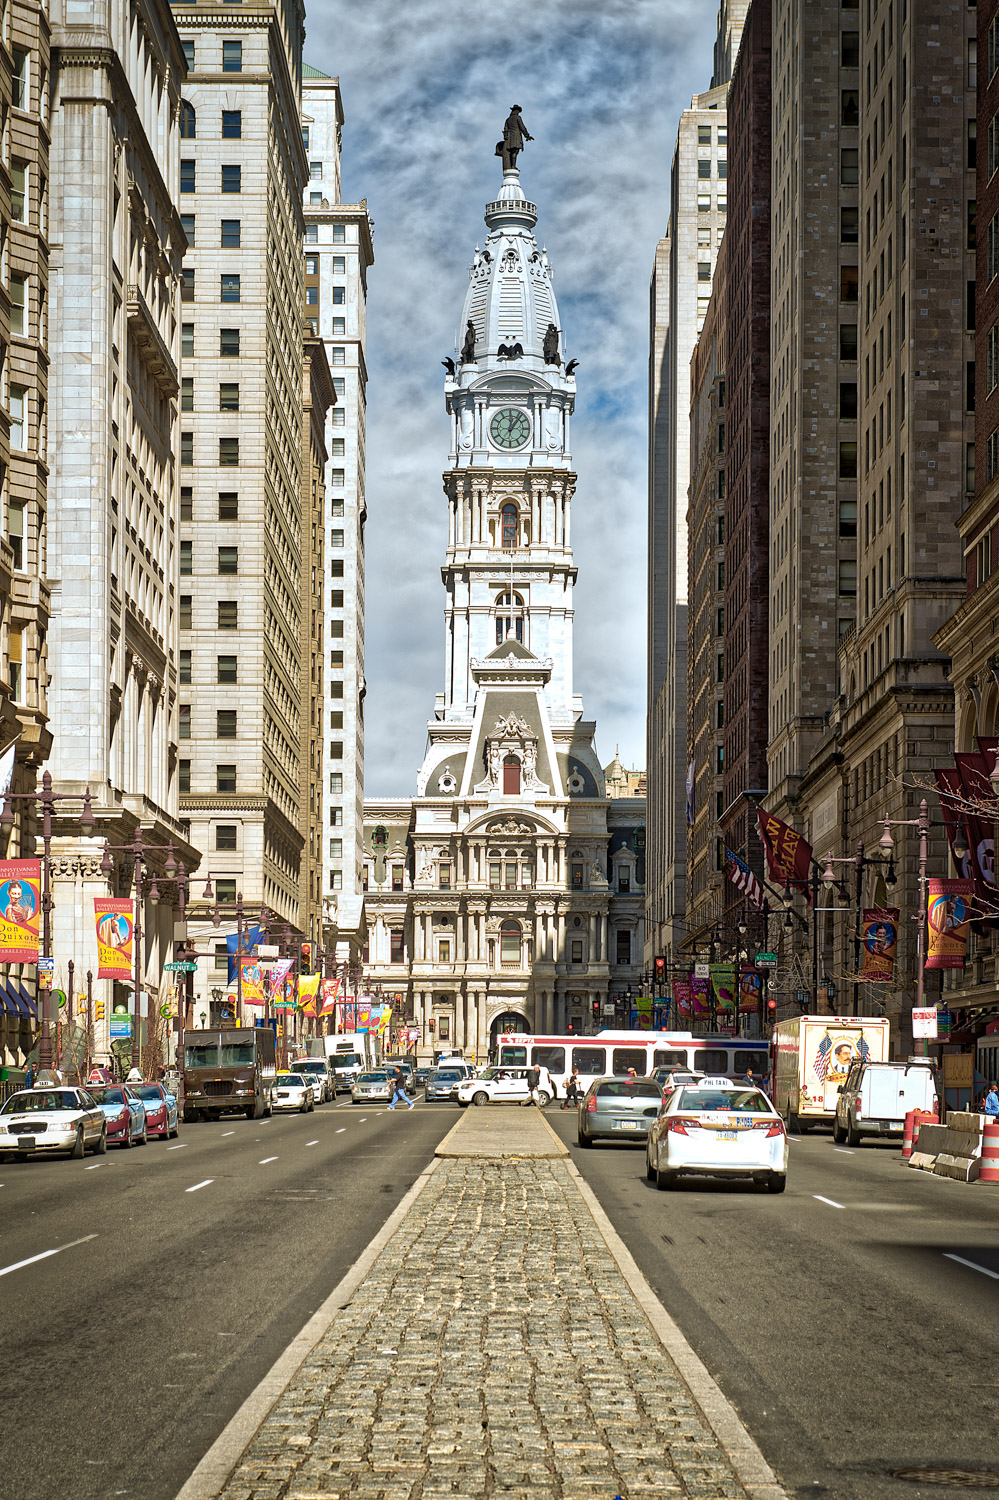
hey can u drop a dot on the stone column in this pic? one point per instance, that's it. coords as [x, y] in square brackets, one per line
[459, 1020]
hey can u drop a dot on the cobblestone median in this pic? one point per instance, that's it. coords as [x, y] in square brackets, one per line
[494, 1349]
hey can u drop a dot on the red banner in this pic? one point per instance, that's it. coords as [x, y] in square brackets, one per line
[683, 996]
[20, 910]
[880, 941]
[115, 920]
[750, 990]
[789, 857]
[948, 917]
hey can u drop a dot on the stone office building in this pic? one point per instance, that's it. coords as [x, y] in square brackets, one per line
[508, 894]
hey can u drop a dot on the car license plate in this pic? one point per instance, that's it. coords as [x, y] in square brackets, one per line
[25, 1143]
[282, 1093]
[630, 1124]
[726, 1135]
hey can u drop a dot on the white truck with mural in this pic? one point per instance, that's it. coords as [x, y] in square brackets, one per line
[810, 1058]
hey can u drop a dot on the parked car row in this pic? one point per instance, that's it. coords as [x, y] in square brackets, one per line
[77, 1120]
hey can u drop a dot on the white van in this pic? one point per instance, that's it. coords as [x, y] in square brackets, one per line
[877, 1096]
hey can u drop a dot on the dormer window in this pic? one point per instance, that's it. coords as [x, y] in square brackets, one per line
[509, 521]
[511, 776]
[509, 618]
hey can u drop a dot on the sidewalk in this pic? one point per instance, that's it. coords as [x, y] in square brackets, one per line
[500, 1343]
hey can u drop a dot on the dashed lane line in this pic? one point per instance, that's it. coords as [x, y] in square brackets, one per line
[266, 1160]
[831, 1201]
[842, 1151]
[340, 1131]
[20, 1264]
[312, 1143]
[199, 1185]
[972, 1265]
[179, 1146]
[228, 1132]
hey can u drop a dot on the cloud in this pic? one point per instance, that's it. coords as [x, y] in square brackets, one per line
[426, 87]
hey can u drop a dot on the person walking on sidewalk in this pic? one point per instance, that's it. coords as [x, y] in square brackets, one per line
[533, 1079]
[399, 1089]
[991, 1104]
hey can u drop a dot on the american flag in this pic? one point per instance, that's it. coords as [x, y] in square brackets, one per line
[741, 875]
[820, 1066]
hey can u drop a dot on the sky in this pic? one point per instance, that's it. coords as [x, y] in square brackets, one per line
[426, 87]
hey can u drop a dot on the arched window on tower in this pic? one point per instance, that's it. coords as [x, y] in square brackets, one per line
[509, 618]
[511, 776]
[509, 518]
[510, 939]
[188, 121]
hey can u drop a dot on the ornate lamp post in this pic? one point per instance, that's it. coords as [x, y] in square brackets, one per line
[887, 846]
[47, 797]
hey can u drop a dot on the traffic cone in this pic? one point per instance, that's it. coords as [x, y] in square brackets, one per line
[907, 1134]
[989, 1165]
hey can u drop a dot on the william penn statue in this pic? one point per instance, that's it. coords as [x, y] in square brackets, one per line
[515, 133]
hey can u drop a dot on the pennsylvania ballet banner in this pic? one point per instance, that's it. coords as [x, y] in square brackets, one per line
[115, 920]
[948, 918]
[251, 981]
[20, 910]
[308, 989]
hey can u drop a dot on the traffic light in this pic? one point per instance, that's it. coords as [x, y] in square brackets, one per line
[306, 952]
[98, 1010]
[430, 1025]
[596, 1010]
[660, 971]
[771, 1010]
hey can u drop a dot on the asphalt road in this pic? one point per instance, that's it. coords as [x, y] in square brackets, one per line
[834, 1316]
[182, 1271]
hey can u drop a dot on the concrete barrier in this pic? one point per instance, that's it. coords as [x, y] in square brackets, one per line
[952, 1150]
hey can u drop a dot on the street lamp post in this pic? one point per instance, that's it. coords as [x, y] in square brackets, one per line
[139, 849]
[887, 846]
[47, 797]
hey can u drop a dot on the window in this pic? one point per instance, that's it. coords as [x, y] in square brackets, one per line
[228, 397]
[576, 878]
[184, 611]
[444, 875]
[992, 359]
[226, 669]
[19, 192]
[849, 226]
[232, 57]
[225, 778]
[187, 340]
[15, 532]
[228, 506]
[339, 327]
[225, 836]
[849, 166]
[312, 234]
[228, 343]
[848, 518]
[511, 776]
[187, 449]
[992, 155]
[186, 559]
[187, 43]
[847, 460]
[848, 577]
[704, 169]
[230, 238]
[232, 124]
[339, 265]
[848, 283]
[850, 54]
[704, 135]
[20, 91]
[187, 284]
[704, 270]
[312, 296]
[991, 456]
[849, 108]
[18, 305]
[183, 775]
[228, 615]
[315, 170]
[339, 296]
[221, 956]
[969, 385]
[704, 203]
[188, 121]
[187, 224]
[229, 288]
[992, 250]
[228, 560]
[225, 892]
[187, 393]
[231, 177]
[188, 168]
[184, 721]
[847, 399]
[508, 517]
[397, 947]
[228, 452]
[510, 936]
[576, 951]
[225, 723]
[339, 358]
[848, 341]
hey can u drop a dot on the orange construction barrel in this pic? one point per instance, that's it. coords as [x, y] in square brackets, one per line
[907, 1134]
[989, 1165]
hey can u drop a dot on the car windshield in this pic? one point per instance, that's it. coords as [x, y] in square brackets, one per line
[312, 1067]
[451, 1075]
[347, 1060]
[147, 1091]
[108, 1096]
[746, 1101]
[295, 1079]
[25, 1104]
[630, 1088]
[373, 1078]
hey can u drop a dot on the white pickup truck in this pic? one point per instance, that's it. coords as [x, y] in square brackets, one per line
[877, 1096]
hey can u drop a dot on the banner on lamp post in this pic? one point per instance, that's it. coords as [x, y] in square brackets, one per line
[948, 917]
[114, 917]
[20, 910]
[880, 941]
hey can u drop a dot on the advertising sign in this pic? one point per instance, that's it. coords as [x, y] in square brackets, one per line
[114, 917]
[723, 985]
[683, 995]
[924, 1022]
[750, 990]
[46, 973]
[330, 988]
[20, 910]
[878, 944]
[830, 1050]
[308, 989]
[948, 917]
[252, 982]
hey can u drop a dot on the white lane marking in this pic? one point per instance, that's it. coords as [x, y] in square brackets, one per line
[340, 1131]
[198, 1185]
[831, 1201]
[363, 1119]
[266, 1160]
[93, 1166]
[228, 1132]
[971, 1265]
[842, 1151]
[18, 1265]
[179, 1146]
[312, 1143]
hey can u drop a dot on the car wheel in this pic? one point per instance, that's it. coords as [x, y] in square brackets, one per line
[852, 1134]
[543, 1098]
[650, 1171]
[665, 1180]
[777, 1183]
[480, 1097]
[130, 1138]
[101, 1149]
[79, 1150]
[582, 1140]
[839, 1134]
[144, 1137]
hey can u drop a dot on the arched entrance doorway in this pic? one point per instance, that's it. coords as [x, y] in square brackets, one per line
[507, 1020]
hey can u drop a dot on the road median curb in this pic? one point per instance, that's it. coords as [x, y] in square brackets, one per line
[502, 1133]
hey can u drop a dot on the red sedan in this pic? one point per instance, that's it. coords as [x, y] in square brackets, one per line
[161, 1109]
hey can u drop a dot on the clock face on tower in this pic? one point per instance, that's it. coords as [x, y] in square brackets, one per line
[510, 428]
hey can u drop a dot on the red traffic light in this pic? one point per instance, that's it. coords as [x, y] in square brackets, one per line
[771, 1007]
[306, 950]
[660, 968]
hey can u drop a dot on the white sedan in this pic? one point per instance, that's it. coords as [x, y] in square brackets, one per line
[716, 1128]
[294, 1091]
[504, 1085]
[52, 1119]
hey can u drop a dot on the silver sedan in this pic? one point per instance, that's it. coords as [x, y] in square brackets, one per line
[52, 1119]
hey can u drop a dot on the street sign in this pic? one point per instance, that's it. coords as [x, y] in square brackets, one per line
[121, 1026]
[164, 1011]
[766, 960]
[60, 997]
[702, 971]
[924, 1022]
[188, 967]
[46, 973]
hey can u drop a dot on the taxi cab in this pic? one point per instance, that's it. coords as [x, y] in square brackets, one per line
[51, 1119]
[717, 1128]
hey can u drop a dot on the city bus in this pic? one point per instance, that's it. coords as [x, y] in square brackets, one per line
[614, 1052]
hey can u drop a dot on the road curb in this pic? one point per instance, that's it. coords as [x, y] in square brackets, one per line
[750, 1467]
[215, 1468]
[494, 1149]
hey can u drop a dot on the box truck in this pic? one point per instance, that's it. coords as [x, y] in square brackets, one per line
[812, 1055]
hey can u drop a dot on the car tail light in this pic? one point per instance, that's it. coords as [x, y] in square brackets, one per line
[680, 1126]
[591, 1104]
[776, 1127]
[859, 1111]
